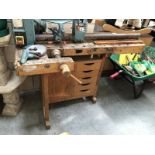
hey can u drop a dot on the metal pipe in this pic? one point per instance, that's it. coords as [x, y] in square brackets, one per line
[111, 36]
[91, 36]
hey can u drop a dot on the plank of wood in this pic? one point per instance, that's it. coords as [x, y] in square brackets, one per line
[99, 22]
[38, 69]
[42, 66]
[113, 29]
[103, 49]
[55, 99]
[45, 100]
[60, 86]
[100, 42]
[147, 39]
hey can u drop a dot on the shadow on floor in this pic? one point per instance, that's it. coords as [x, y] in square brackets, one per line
[1, 104]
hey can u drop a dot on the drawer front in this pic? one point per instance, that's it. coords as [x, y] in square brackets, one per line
[87, 72]
[88, 65]
[86, 86]
[88, 79]
[86, 90]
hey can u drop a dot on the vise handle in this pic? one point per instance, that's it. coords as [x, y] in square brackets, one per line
[66, 71]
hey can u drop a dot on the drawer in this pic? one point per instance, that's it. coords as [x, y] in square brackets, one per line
[88, 79]
[86, 90]
[88, 65]
[87, 73]
[86, 86]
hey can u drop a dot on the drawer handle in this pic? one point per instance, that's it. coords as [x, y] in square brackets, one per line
[84, 90]
[85, 84]
[86, 78]
[88, 71]
[78, 51]
[89, 64]
[47, 66]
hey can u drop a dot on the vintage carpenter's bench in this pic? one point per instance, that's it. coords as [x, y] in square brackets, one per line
[84, 61]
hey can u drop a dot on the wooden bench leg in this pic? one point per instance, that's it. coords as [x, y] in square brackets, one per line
[45, 97]
[46, 115]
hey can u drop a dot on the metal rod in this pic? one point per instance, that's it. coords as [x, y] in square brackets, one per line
[109, 36]
[91, 36]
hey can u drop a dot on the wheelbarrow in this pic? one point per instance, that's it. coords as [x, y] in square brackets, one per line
[137, 82]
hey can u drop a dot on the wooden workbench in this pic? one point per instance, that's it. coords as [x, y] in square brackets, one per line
[86, 62]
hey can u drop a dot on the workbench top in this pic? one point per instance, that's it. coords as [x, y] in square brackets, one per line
[69, 51]
[93, 45]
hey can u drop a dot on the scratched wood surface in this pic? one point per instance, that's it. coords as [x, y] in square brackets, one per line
[63, 88]
[113, 29]
[56, 87]
[44, 65]
[95, 49]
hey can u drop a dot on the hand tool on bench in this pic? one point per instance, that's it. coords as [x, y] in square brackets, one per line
[32, 52]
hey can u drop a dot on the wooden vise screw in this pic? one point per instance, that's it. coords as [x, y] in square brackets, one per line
[64, 67]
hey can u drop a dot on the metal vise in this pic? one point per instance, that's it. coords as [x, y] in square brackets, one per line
[58, 33]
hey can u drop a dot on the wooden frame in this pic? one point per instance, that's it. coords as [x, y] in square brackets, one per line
[88, 70]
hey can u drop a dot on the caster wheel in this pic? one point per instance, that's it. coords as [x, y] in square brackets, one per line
[94, 99]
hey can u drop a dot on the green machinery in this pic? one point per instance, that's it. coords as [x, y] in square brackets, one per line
[30, 31]
[4, 30]
[79, 30]
[24, 32]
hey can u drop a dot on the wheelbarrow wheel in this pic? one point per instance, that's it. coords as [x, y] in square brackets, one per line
[138, 87]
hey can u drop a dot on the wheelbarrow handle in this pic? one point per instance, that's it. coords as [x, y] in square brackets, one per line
[115, 74]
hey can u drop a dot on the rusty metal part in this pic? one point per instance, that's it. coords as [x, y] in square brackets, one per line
[109, 36]
[91, 36]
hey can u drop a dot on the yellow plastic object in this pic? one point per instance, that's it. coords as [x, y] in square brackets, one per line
[148, 72]
[65, 133]
[123, 60]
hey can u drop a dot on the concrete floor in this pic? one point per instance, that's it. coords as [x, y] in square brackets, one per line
[116, 112]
